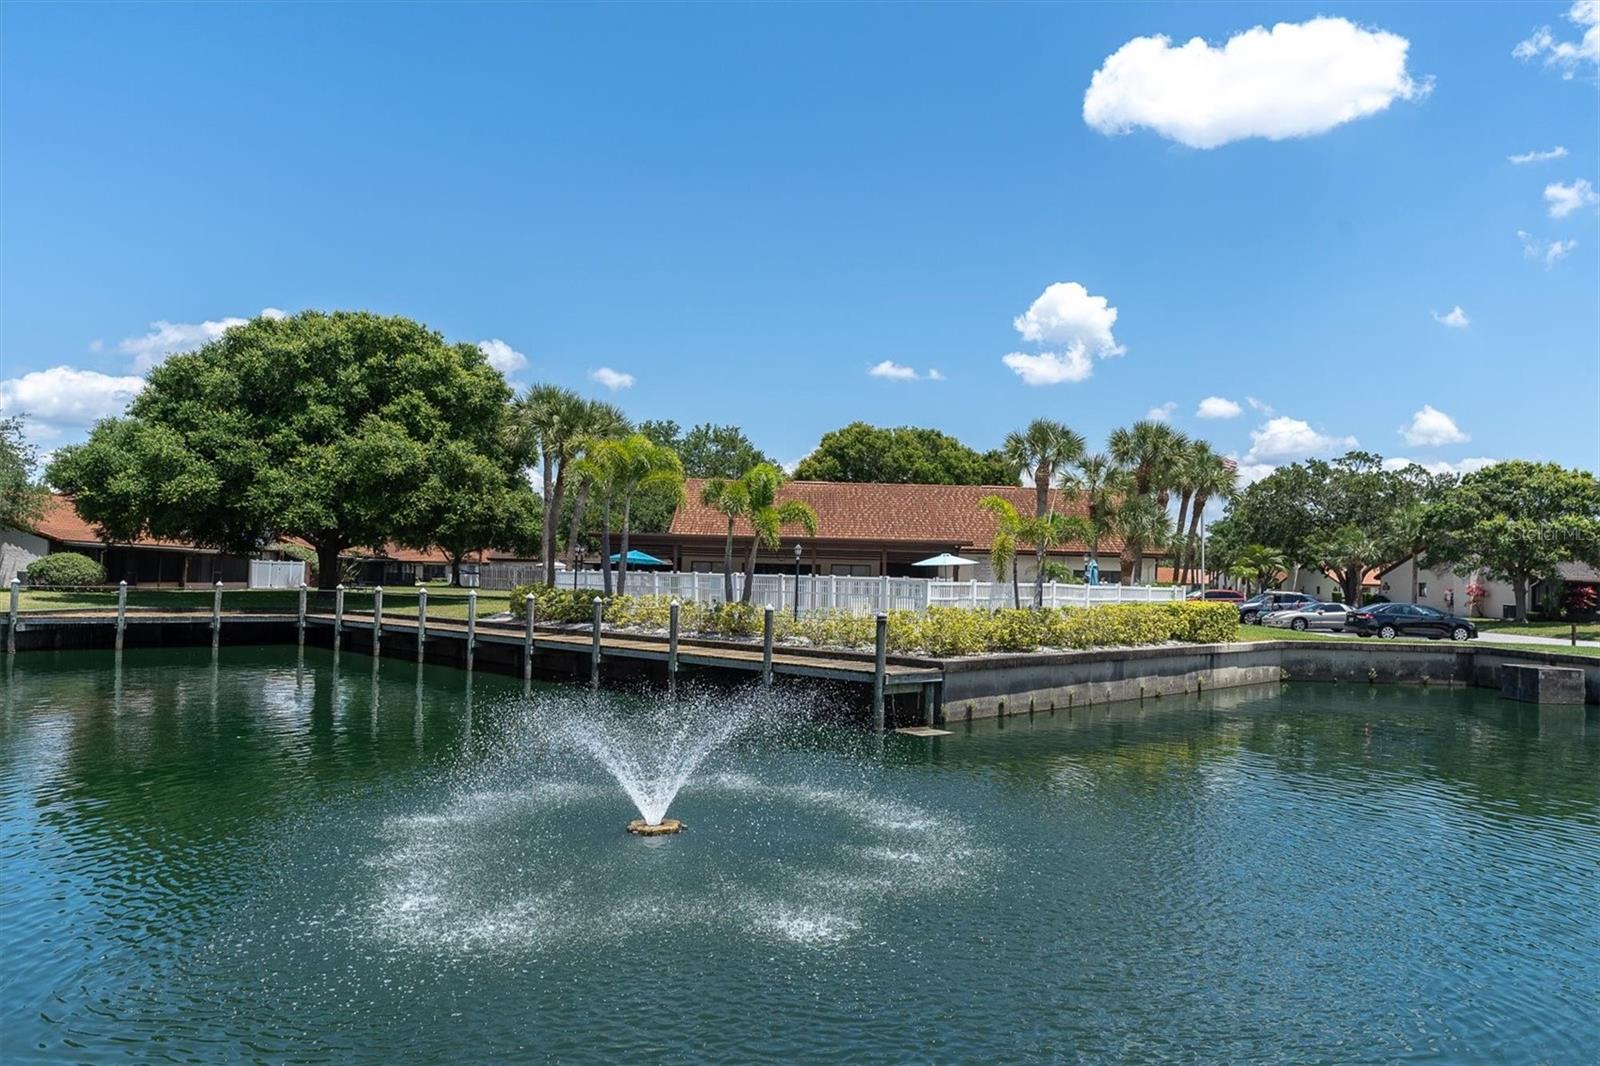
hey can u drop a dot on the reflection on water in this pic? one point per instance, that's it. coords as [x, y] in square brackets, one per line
[287, 853]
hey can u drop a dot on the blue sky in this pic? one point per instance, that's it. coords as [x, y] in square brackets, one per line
[743, 209]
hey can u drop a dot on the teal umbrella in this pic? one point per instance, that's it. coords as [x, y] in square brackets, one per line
[639, 558]
[947, 560]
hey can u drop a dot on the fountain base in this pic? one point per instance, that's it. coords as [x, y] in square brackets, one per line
[640, 827]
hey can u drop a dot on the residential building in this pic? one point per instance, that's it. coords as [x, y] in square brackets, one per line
[1447, 590]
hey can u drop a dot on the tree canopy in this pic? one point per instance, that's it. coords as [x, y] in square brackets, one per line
[904, 455]
[318, 425]
[1518, 521]
[21, 498]
[708, 450]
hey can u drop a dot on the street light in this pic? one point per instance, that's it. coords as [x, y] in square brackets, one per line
[797, 581]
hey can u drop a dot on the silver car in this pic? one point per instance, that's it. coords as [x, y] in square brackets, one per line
[1310, 616]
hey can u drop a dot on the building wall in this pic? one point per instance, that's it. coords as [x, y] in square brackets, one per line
[18, 550]
[1448, 591]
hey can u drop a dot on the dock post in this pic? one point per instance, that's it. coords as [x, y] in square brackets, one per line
[527, 637]
[766, 647]
[11, 616]
[929, 696]
[472, 625]
[122, 611]
[422, 619]
[216, 615]
[594, 648]
[300, 620]
[880, 667]
[338, 614]
[377, 621]
[672, 649]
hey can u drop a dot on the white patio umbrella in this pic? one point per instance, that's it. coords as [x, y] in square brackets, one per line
[946, 559]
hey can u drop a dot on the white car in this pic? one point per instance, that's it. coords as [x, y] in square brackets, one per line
[1310, 616]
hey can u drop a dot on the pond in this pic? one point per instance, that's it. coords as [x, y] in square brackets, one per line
[282, 856]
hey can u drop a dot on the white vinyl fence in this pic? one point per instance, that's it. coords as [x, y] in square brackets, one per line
[866, 595]
[276, 573]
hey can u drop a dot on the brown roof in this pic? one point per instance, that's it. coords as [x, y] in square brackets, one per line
[60, 522]
[880, 513]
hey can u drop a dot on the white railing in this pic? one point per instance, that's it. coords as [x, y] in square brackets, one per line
[276, 573]
[865, 595]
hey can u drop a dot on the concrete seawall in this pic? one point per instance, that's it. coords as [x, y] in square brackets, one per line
[991, 686]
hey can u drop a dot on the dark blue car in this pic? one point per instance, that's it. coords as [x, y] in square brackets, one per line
[1390, 620]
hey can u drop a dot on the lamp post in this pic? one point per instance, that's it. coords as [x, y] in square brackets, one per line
[797, 551]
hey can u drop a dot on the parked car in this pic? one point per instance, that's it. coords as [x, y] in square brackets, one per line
[1309, 616]
[1251, 610]
[1225, 595]
[1390, 620]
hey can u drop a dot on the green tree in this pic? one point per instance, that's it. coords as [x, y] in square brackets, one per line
[1043, 449]
[1144, 526]
[599, 421]
[719, 451]
[1259, 567]
[551, 424]
[1150, 451]
[1100, 484]
[1044, 532]
[1519, 521]
[1003, 549]
[767, 516]
[474, 502]
[317, 426]
[641, 465]
[906, 455]
[22, 499]
[1210, 477]
[729, 497]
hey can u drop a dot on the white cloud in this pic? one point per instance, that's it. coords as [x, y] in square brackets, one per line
[1218, 407]
[1565, 199]
[1250, 473]
[1050, 368]
[1456, 319]
[168, 338]
[893, 371]
[1567, 56]
[502, 356]
[612, 379]
[1161, 413]
[1294, 80]
[65, 396]
[1465, 466]
[1065, 315]
[1558, 152]
[934, 374]
[1551, 252]
[1290, 438]
[1260, 405]
[1431, 426]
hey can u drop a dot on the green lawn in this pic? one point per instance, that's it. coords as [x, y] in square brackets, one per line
[1559, 630]
[443, 603]
[1247, 633]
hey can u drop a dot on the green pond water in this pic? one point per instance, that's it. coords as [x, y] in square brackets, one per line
[281, 857]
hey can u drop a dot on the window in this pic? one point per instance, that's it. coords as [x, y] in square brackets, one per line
[1422, 589]
[850, 569]
[702, 567]
[1426, 612]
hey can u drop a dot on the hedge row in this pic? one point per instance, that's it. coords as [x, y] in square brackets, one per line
[939, 631]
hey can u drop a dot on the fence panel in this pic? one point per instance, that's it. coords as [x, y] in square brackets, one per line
[276, 573]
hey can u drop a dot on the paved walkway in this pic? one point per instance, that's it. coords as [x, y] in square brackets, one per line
[1488, 636]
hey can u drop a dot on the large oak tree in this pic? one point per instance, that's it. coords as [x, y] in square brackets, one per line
[319, 426]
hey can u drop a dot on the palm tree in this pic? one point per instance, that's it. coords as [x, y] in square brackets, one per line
[1411, 530]
[1098, 481]
[767, 516]
[1003, 549]
[1046, 447]
[1148, 450]
[601, 421]
[549, 421]
[1143, 524]
[600, 467]
[730, 497]
[1213, 478]
[641, 463]
[1186, 472]
[1259, 566]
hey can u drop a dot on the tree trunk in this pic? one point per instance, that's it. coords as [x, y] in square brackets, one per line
[328, 562]
[1519, 594]
[1351, 581]
[1041, 491]
[1200, 499]
[1016, 587]
[1128, 560]
[605, 545]
[547, 542]
[750, 571]
[727, 565]
[455, 569]
[622, 552]
[1038, 576]
[1181, 552]
[1416, 582]
[576, 529]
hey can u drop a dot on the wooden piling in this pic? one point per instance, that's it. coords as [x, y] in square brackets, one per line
[527, 637]
[300, 618]
[377, 621]
[766, 647]
[672, 648]
[422, 619]
[880, 668]
[472, 625]
[594, 650]
[216, 615]
[122, 611]
[338, 615]
[11, 616]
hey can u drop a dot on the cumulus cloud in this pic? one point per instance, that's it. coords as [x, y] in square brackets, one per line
[1161, 413]
[1294, 80]
[1565, 199]
[1064, 316]
[893, 371]
[1465, 466]
[1217, 407]
[1456, 319]
[1250, 473]
[1550, 252]
[168, 338]
[1558, 152]
[502, 356]
[1431, 426]
[611, 379]
[1260, 405]
[66, 396]
[1283, 438]
[1569, 57]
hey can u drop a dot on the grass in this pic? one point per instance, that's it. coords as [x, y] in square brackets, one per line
[1253, 633]
[443, 603]
[1559, 630]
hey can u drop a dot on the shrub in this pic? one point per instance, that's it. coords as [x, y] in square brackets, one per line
[554, 604]
[66, 568]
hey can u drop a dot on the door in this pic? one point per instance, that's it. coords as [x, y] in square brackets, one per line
[1327, 616]
[1430, 623]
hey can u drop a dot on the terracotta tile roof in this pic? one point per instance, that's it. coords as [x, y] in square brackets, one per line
[882, 513]
[60, 522]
